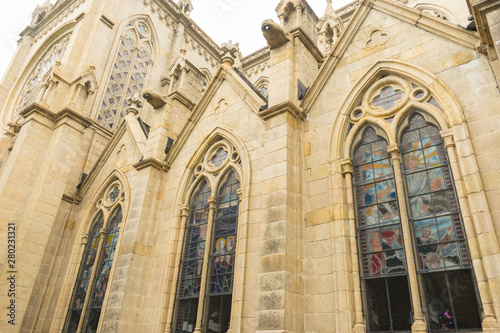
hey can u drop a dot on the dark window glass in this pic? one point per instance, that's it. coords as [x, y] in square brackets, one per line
[451, 302]
[388, 304]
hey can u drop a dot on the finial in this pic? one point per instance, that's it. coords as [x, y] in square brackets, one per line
[230, 52]
[329, 9]
[134, 103]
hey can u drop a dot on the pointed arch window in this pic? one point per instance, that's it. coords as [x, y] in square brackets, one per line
[33, 85]
[94, 273]
[380, 236]
[206, 274]
[434, 232]
[129, 73]
[442, 254]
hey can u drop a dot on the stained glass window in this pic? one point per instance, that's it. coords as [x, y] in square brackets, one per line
[192, 262]
[221, 258]
[380, 236]
[93, 276]
[128, 75]
[84, 275]
[102, 273]
[378, 213]
[441, 249]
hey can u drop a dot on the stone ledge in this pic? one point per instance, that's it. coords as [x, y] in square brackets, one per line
[281, 108]
[151, 162]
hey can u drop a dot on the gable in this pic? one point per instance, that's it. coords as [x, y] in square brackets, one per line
[382, 30]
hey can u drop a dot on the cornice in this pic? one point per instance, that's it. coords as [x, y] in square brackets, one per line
[72, 199]
[56, 118]
[151, 162]
[282, 108]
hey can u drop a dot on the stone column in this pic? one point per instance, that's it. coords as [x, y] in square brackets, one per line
[419, 324]
[489, 318]
[347, 171]
[177, 266]
[281, 285]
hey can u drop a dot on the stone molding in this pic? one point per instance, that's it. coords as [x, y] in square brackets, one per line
[151, 162]
[281, 108]
[58, 118]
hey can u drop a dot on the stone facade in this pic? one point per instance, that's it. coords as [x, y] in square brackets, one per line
[77, 148]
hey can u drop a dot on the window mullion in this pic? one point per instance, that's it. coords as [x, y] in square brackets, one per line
[419, 321]
[206, 257]
[83, 317]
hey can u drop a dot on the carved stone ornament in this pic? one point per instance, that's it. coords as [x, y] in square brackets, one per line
[387, 96]
[154, 98]
[274, 34]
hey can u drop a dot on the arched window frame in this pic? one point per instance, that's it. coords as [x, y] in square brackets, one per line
[110, 202]
[32, 89]
[215, 175]
[148, 37]
[415, 96]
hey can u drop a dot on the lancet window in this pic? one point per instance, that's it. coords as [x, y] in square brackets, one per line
[129, 73]
[412, 246]
[207, 267]
[93, 276]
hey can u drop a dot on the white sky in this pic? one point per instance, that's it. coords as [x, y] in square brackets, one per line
[222, 20]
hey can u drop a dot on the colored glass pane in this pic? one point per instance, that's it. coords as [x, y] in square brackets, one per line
[224, 241]
[379, 229]
[219, 157]
[84, 274]
[433, 204]
[114, 194]
[388, 98]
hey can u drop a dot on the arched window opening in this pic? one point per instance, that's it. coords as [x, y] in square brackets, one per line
[432, 227]
[93, 276]
[222, 256]
[442, 254]
[380, 237]
[129, 73]
[32, 87]
[84, 275]
[192, 262]
[211, 225]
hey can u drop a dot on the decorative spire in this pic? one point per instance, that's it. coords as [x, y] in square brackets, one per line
[329, 9]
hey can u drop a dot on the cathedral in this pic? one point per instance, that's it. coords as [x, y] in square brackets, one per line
[341, 179]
